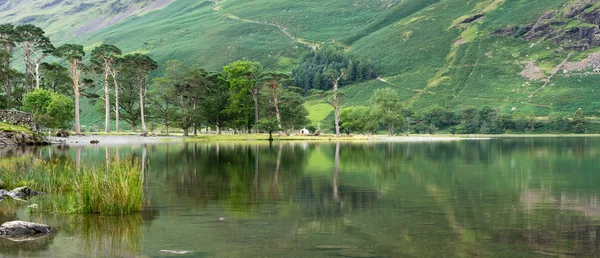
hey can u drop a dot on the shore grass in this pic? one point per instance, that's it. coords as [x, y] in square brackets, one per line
[117, 190]
[110, 190]
[6, 127]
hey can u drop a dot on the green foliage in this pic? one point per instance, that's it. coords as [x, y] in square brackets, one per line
[358, 119]
[49, 109]
[161, 98]
[311, 73]
[292, 109]
[55, 77]
[70, 52]
[183, 86]
[470, 120]
[216, 102]
[578, 121]
[244, 80]
[439, 117]
[105, 55]
[387, 108]
[129, 106]
[268, 125]
[558, 123]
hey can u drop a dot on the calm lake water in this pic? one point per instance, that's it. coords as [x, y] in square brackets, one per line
[523, 197]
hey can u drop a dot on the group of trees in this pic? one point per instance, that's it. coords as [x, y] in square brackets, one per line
[486, 120]
[243, 97]
[313, 72]
[52, 92]
[385, 110]
[469, 120]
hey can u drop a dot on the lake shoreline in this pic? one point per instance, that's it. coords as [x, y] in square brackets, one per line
[119, 139]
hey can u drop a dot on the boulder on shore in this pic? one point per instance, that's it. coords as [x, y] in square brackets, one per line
[22, 139]
[19, 193]
[23, 228]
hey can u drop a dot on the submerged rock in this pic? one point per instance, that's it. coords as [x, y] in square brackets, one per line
[23, 228]
[25, 238]
[22, 192]
[174, 252]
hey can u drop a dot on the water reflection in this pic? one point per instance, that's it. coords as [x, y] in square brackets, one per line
[503, 197]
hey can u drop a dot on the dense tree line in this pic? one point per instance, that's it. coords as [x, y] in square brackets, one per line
[243, 97]
[437, 119]
[312, 72]
[486, 120]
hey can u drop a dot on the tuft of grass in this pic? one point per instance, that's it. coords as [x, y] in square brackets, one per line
[115, 189]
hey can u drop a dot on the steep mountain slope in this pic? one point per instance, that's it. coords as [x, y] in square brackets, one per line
[519, 56]
[65, 20]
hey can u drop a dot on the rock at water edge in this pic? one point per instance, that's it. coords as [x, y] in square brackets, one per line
[16, 228]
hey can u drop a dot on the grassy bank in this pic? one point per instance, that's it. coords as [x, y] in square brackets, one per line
[110, 189]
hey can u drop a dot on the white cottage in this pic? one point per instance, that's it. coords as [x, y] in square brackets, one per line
[304, 131]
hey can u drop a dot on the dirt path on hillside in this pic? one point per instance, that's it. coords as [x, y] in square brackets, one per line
[284, 30]
[549, 78]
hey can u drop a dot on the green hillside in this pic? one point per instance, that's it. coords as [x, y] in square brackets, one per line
[510, 54]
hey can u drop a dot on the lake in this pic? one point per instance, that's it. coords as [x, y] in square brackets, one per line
[511, 197]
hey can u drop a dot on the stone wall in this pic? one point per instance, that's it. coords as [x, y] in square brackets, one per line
[18, 118]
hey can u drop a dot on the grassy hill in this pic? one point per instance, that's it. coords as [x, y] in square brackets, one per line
[528, 55]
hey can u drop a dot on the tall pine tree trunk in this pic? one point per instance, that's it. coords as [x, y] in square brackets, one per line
[37, 74]
[107, 100]
[336, 102]
[27, 69]
[142, 107]
[77, 123]
[167, 118]
[255, 97]
[195, 122]
[7, 86]
[276, 103]
[114, 75]
[336, 108]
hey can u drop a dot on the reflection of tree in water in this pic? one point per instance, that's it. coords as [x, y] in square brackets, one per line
[19, 151]
[8, 210]
[99, 236]
[200, 173]
[319, 201]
